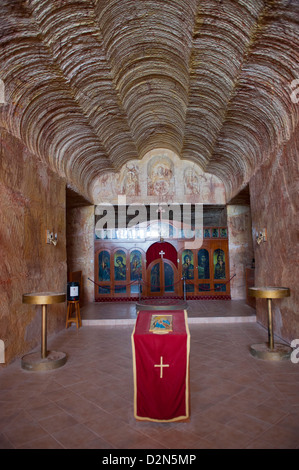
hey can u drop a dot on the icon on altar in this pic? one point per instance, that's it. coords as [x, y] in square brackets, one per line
[161, 324]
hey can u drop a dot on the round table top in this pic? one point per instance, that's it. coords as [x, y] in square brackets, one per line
[269, 292]
[44, 298]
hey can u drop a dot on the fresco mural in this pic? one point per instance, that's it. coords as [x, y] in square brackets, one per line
[194, 182]
[159, 176]
[160, 172]
[129, 180]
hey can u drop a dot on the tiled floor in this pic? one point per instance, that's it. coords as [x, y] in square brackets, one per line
[199, 311]
[237, 401]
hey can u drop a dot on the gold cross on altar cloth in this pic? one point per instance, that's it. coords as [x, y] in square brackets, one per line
[162, 253]
[161, 365]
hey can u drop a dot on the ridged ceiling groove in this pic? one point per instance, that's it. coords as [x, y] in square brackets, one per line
[93, 84]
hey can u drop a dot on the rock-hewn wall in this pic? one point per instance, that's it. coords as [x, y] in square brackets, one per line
[80, 247]
[274, 193]
[240, 247]
[32, 201]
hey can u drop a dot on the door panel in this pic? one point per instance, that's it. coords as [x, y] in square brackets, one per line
[155, 278]
[162, 276]
[168, 278]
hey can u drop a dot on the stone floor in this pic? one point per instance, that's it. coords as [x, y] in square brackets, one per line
[199, 311]
[237, 401]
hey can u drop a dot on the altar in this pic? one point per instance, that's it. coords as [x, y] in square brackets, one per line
[161, 351]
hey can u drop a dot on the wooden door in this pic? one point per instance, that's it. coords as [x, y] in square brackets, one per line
[162, 278]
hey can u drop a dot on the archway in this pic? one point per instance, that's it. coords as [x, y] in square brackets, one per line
[162, 270]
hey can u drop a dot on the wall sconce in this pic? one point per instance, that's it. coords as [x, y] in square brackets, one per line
[261, 236]
[51, 238]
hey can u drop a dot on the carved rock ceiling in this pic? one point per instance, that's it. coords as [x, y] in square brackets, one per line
[93, 84]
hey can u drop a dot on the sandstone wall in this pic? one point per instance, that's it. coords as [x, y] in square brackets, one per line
[274, 193]
[80, 247]
[32, 201]
[240, 247]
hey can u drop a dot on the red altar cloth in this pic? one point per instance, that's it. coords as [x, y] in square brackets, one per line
[161, 368]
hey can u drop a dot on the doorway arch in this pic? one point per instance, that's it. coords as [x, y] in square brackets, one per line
[162, 270]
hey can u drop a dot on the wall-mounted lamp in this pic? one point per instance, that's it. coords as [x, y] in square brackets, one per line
[51, 238]
[261, 236]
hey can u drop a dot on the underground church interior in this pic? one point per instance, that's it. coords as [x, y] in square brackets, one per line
[149, 224]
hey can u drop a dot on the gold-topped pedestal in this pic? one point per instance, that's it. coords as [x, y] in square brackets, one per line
[45, 360]
[269, 351]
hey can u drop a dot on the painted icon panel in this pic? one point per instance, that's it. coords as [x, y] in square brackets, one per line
[135, 265]
[203, 264]
[104, 266]
[219, 264]
[188, 264]
[120, 266]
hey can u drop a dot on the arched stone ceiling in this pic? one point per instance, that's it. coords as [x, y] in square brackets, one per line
[93, 84]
